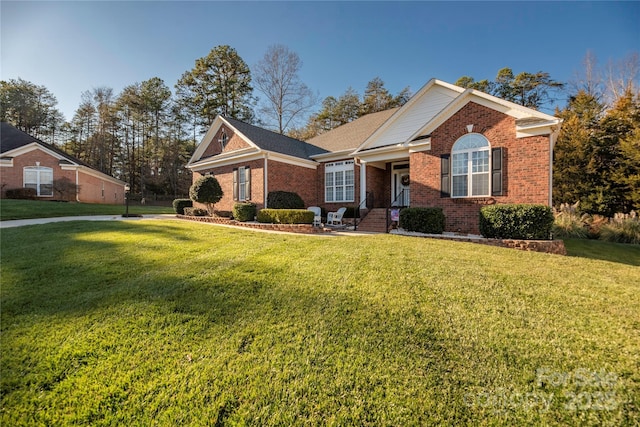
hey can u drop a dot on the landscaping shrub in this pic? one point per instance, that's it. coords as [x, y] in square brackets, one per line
[196, 212]
[569, 223]
[285, 216]
[180, 204]
[224, 214]
[521, 221]
[284, 200]
[622, 229]
[21, 193]
[206, 190]
[244, 211]
[422, 220]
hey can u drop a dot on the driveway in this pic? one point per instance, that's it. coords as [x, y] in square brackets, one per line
[35, 221]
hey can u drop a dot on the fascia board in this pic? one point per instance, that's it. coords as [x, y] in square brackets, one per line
[34, 146]
[547, 128]
[208, 139]
[334, 155]
[8, 162]
[205, 141]
[471, 95]
[414, 99]
[229, 158]
[388, 153]
[98, 174]
[291, 160]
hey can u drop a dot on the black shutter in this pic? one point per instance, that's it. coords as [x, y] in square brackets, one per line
[445, 176]
[247, 182]
[235, 183]
[496, 171]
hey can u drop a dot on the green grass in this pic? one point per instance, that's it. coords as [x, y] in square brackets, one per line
[177, 323]
[26, 209]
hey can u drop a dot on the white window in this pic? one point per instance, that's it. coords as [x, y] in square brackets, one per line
[39, 178]
[242, 184]
[470, 169]
[339, 182]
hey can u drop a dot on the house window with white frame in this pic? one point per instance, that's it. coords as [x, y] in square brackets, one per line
[470, 169]
[339, 182]
[39, 178]
[242, 184]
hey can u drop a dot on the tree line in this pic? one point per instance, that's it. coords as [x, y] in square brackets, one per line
[146, 134]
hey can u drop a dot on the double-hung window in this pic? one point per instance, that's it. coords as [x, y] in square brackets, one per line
[339, 182]
[470, 170]
[242, 184]
[39, 178]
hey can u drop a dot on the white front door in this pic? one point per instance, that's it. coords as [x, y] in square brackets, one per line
[400, 185]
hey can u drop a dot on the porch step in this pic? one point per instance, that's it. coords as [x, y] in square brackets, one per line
[375, 221]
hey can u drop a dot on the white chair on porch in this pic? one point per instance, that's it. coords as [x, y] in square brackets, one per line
[317, 218]
[335, 218]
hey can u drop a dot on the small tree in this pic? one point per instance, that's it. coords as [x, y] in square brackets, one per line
[206, 190]
[65, 188]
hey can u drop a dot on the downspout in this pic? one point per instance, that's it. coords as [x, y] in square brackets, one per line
[265, 184]
[552, 143]
[77, 186]
[363, 179]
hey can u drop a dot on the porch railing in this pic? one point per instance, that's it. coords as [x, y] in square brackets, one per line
[401, 201]
[366, 203]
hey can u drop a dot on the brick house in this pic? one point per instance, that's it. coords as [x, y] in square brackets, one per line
[448, 147]
[27, 162]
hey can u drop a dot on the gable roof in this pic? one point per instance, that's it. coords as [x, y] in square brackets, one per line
[275, 142]
[435, 102]
[350, 135]
[12, 140]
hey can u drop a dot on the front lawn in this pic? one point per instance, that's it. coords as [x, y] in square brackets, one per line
[181, 323]
[25, 209]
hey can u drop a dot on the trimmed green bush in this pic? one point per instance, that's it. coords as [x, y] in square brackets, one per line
[196, 212]
[520, 221]
[422, 220]
[21, 193]
[244, 211]
[285, 216]
[284, 200]
[206, 190]
[180, 204]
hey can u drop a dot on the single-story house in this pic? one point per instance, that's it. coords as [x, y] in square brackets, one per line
[449, 147]
[27, 162]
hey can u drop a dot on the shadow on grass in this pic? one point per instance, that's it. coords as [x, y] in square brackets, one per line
[302, 328]
[604, 251]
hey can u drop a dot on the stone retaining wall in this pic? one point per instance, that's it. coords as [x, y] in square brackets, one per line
[547, 246]
[289, 228]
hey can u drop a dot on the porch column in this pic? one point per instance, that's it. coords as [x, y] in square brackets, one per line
[363, 180]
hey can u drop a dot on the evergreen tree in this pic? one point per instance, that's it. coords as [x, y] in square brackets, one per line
[220, 83]
[30, 108]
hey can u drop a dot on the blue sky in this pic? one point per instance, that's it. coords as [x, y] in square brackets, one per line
[71, 47]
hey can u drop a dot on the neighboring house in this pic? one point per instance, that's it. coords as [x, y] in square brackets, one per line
[449, 147]
[26, 162]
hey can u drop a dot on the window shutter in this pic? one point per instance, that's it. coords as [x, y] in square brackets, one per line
[247, 182]
[496, 171]
[235, 184]
[445, 176]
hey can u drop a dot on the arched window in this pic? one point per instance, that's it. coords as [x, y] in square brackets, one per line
[470, 169]
[40, 178]
[223, 140]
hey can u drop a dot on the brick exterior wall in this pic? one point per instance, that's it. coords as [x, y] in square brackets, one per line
[281, 177]
[91, 187]
[525, 166]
